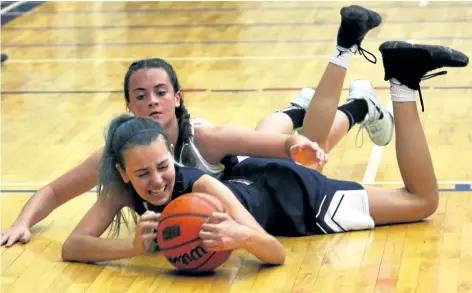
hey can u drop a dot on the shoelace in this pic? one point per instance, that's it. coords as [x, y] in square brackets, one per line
[373, 127]
[428, 77]
[363, 52]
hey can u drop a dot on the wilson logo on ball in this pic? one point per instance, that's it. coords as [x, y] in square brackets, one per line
[171, 232]
[186, 258]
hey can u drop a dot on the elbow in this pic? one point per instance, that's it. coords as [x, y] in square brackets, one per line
[281, 259]
[278, 260]
[68, 249]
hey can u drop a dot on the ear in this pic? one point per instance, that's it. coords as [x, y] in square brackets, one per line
[122, 173]
[172, 149]
[178, 98]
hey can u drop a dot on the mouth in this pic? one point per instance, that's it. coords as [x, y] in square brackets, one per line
[155, 114]
[157, 192]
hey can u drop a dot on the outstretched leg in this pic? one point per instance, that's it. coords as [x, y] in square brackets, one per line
[405, 66]
[316, 111]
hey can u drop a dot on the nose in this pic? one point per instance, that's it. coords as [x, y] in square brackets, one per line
[153, 100]
[156, 179]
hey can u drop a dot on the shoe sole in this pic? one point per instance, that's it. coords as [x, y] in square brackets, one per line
[446, 56]
[355, 13]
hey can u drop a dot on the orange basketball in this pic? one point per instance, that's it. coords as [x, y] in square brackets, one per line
[177, 233]
[305, 156]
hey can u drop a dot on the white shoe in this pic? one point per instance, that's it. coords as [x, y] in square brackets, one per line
[379, 121]
[304, 97]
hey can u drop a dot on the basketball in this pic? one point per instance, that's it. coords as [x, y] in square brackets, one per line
[177, 233]
[305, 156]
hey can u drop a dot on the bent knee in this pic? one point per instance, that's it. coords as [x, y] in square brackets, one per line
[65, 251]
[428, 205]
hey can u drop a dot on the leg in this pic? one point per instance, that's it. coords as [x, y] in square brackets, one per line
[289, 119]
[277, 122]
[318, 122]
[405, 65]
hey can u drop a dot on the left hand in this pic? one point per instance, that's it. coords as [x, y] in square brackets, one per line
[221, 233]
[309, 154]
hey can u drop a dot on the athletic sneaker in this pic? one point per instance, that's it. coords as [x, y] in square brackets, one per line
[379, 121]
[408, 63]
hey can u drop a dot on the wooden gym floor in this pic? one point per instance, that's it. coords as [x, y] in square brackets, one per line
[238, 61]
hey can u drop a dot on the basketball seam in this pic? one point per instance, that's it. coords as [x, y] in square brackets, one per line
[228, 253]
[179, 245]
[203, 263]
[213, 205]
[184, 215]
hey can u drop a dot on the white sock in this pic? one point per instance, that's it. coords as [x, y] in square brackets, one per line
[401, 93]
[342, 56]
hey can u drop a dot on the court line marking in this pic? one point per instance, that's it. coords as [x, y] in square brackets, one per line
[10, 7]
[216, 25]
[203, 90]
[375, 157]
[229, 9]
[219, 42]
[423, 3]
[441, 182]
[198, 58]
[13, 191]
[377, 151]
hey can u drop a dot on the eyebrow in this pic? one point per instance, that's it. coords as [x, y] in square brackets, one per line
[145, 169]
[156, 86]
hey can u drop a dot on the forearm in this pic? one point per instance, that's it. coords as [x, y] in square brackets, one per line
[265, 247]
[38, 207]
[92, 249]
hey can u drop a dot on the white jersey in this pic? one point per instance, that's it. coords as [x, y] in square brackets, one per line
[190, 156]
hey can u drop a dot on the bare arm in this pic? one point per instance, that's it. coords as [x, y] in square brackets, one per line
[85, 244]
[216, 142]
[75, 182]
[252, 236]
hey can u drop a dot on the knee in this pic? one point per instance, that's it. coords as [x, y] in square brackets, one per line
[430, 204]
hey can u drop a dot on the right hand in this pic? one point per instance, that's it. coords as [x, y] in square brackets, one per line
[17, 233]
[309, 154]
[146, 231]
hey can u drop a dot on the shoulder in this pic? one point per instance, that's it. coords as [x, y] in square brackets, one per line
[117, 195]
[199, 122]
[185, 177]
[201, 128]
[188, 172]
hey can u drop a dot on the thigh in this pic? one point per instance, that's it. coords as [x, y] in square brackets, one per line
[344, 207]
[390, 206]
[278, 122]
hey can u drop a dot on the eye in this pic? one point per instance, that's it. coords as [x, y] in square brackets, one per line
[163, 168]
[140, 97]
[161, 93]
[140, 175]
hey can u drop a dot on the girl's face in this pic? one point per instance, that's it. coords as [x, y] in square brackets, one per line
[151, 94]
[150, 169]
